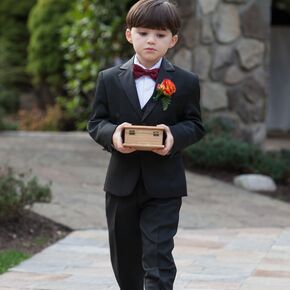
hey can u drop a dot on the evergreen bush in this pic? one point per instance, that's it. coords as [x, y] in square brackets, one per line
[219, 150]
[92, 41]
[16, 193]
[226, 153]
[45, 57]
[9, 99]
[14, 39]
[4, 123]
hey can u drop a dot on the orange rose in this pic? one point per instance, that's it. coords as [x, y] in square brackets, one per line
[165, 90]
[167, 87]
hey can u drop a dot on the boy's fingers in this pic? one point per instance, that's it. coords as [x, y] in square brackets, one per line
[121, 127]
[127, 150]
[162, 152]
[118, 141]
[168, 142]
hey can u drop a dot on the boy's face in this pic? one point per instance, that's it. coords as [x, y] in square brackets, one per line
[150, 44]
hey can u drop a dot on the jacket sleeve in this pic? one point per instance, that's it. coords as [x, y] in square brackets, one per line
[190, 129]
[99, 126]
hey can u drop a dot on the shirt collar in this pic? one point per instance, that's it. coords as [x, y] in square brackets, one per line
[156, 65]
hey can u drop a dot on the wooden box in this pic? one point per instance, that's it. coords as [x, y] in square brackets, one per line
[143, 137]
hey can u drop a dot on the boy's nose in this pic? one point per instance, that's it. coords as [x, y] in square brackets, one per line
[151, 39]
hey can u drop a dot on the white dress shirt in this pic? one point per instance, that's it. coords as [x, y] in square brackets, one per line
[145, 85]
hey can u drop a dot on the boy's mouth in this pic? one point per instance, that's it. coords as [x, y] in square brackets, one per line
[150, 49]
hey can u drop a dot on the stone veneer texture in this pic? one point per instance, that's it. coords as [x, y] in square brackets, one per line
[226, 42]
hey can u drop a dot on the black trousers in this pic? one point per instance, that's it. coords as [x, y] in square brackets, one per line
[141, 231]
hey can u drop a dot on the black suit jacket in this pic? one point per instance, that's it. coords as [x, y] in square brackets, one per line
[116, 101]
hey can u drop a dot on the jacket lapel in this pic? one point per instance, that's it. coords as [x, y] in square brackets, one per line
[165, 69]
[129, 86]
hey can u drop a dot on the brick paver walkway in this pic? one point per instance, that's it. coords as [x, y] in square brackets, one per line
[229, 239]
[244, 259]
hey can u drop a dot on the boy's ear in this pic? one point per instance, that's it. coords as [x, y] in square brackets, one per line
[128, 35]
[174, 40]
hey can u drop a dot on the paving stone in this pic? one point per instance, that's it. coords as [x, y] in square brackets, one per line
[217, 259]
[267, 282]
[243, 246]
[77, 167]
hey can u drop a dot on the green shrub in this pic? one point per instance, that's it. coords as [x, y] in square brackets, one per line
[14, 39]
[226, 153]
[45, 58]
[91, 42]
[272, 164]
[9, 99]
[222, 152]
[16, 193]
[4, 124]
[285, 154]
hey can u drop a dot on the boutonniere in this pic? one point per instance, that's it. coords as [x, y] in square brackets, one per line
[165, 90]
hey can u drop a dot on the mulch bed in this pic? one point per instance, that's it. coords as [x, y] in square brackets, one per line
[30, 233]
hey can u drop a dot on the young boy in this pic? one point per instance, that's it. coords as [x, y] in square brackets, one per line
[144, 188]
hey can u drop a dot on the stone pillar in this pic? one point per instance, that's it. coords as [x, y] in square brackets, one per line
[226, 42]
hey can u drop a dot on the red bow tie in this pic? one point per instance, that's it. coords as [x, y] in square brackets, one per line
[138, 72]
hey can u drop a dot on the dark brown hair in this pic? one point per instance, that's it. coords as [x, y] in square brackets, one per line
[154, 14]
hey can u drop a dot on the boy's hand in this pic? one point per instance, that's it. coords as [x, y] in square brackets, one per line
[168, 141]
[118, 141]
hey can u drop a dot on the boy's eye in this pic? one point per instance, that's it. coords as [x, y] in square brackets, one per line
[160, 35]
[143, 33]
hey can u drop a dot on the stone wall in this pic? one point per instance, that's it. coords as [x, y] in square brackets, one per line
[226, 42]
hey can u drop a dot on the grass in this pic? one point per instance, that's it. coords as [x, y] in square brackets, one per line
[11, 258]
